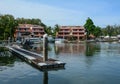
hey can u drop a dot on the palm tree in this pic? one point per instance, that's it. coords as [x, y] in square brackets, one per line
[56, 29]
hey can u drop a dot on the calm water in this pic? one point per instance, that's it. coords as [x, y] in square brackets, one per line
[95, 63]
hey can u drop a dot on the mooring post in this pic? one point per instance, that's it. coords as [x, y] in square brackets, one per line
[45, 47]
[45, 77]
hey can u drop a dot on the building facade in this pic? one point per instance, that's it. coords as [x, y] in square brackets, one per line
[71, 33]
[29, 30]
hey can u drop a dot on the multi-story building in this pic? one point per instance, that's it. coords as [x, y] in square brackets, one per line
[71, 32]
[29, 30]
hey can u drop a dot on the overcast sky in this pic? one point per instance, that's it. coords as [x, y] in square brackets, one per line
[65, 12]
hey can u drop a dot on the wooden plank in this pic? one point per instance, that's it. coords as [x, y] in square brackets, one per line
[37, 60]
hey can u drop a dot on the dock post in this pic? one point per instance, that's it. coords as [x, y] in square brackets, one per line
[45, 77]
[45, 47]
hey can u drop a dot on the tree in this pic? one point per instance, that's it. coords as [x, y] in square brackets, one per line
[48, 30]
[89, 26]
[97, 31]
[7, 25]
[111, 30]
[34, 21]
[56, 29]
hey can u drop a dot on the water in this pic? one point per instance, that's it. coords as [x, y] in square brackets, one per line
[93, 63]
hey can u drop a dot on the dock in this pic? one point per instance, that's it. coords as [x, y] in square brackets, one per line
[37, 60]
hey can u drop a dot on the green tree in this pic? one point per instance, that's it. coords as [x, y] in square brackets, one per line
[111, 30]
[34, 21]
[7, 25]
[97, 31]
[49, 30]
[89, 26]
[56, 29]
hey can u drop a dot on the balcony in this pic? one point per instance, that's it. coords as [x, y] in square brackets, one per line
[78, 35]
[63, 31]
[78, 31]
[23, 30]
[62, 35]
[38, 31]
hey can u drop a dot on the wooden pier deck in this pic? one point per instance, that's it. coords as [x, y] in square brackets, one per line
[36, 59]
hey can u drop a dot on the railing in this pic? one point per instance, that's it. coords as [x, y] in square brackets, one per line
[79, 31]
[23, 30]
[64, 31]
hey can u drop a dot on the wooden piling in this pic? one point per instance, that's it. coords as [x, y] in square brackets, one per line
[45, 47]
[45, 77]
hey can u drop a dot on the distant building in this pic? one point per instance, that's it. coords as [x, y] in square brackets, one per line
[29, 30]
[71, 32]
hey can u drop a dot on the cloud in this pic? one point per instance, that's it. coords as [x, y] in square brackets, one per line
[48, 14]
[74, 13]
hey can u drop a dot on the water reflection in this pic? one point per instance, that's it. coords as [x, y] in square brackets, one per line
[98, 63]
[38, 48]
[34, 47]
[3, 49]
[91, 48]
[6, 58]
[45, 77]
[88, 49]
[69, 48]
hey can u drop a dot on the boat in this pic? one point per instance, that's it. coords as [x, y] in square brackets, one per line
[58, 40]
[33, 40]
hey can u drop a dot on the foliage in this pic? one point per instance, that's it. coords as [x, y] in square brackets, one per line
[3, 49]
[34, 21]
[52, 31]
[91, 28]
[56, 29]
[111, 30]
[5, 60]
[91, 49]
[48, 30]
[7, 26]
[29, 21]
[97, 31]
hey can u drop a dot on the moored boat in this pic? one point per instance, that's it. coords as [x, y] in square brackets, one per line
[58, 40]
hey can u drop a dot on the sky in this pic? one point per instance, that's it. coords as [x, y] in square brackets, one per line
[65, 12]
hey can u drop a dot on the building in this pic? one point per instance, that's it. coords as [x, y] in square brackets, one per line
[71, 33]
[29, 30]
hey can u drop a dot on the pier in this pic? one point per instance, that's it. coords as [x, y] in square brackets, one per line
[41, 62]
[36, 59]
